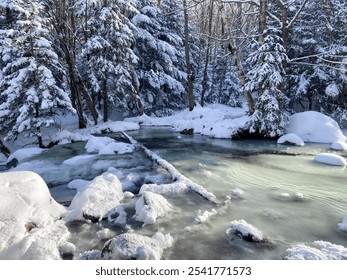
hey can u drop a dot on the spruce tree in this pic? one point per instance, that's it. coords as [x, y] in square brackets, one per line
[30, 88]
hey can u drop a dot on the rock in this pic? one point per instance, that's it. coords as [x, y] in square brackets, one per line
[131, 246]
[150, 207]
[330, 159]
[291, 139]
[245, 231]
[339, 146]
[187, 131]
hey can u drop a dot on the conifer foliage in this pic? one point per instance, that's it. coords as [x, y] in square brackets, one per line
[31, 86]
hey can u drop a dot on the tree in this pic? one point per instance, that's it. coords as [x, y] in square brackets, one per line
[31, 88]
[160, 50]
[107, 54]
[265, 77]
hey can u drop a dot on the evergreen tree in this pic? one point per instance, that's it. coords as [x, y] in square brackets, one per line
[107, 54]
[264, 78]
[160, 51]
[30, 88]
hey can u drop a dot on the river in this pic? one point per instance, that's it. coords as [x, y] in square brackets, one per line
[290, 198]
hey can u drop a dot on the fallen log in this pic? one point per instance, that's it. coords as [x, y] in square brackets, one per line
[175, 174]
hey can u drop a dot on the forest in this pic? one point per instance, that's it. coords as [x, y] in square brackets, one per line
[154, 57]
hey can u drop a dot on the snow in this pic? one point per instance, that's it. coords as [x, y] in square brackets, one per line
[79, 185]
[204, 216]
[339, 146]
[129, 246]
[330, 159]
[24, 153]
[246, 231]
[100, 196]
[315, 127]
[107, 146]
[213, 120]
[321, 250]
[291, 138]
[151, 206]
[343, 225]
[29, 218]
[172, 189]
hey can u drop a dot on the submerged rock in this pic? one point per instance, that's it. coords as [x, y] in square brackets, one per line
[131, 246]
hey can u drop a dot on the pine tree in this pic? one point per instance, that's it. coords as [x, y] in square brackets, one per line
[160, 51]
[107, 54]
[30, 88]
[264, 78]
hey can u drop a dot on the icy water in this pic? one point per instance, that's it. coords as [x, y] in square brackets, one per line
[268, 173]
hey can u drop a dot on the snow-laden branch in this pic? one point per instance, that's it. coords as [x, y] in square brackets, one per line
[175, 174]
[304, 2]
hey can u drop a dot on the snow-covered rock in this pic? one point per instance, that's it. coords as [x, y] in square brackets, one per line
[24, 153]
[96, 199]
[343, 225]
[168, 190]
[315, 127]
[107, 146]
[237, 194]
[330, 159]
[245, 231]
[131, 246]
[30, 226]
[204, 216]
[339, 146]
[151, 206]
[79, 185]
[321, 250]
[291, 139]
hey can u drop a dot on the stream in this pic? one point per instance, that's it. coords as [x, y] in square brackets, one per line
[290, 198]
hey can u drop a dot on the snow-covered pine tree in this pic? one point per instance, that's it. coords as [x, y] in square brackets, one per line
[264, 78]
[107, 55]
[160, 51]
[30, 89]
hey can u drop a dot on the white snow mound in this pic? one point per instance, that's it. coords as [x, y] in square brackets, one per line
[330, 159]
[339, 146]
[107, 146]
[134, 246]
[151, 206]
[24, 153]
[315, 127]
[29, 218]
[292, 139]
[321, 250]
[96, 199]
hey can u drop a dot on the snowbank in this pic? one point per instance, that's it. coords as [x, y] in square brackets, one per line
[291, 139]
[245, 231]
[131, 246]
[29, 218]
[213, 120]
[150, 207]
[315, 127]
[330, 159]
[96, 199]
[321, 250]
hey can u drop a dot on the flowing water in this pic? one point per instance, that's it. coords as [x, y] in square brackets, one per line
[268, 173]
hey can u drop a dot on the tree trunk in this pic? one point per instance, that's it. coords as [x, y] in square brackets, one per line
[207, 54]
[262, 20]
[242, 78]
[190, 73]
[4, 150]
[136, 85]
[238, 64]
